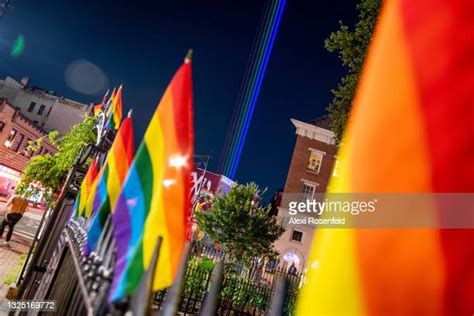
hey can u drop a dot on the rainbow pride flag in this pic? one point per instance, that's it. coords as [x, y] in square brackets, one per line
[86, 188]
[410, 130]
[114, 110]
[92, 198]
[97, 108]
[108, 104]
[155, 197]
[111, 109]
[114, 171]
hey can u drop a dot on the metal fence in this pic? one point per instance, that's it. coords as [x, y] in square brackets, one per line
[80, 284]
[209, 281]
[245, 290]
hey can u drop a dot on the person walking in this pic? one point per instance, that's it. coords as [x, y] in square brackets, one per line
[16, 207]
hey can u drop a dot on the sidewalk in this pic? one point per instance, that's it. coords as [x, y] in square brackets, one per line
[9, 260]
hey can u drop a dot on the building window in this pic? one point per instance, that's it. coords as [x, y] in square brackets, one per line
[16, 142]
[36, 122]
[296, 235]
[31, 108]
[308, 191]
[2, 125]
[315, 160]
[49, 111]
[11, 136]
[41, 109]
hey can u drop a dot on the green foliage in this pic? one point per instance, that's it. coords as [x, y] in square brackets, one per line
[206, 264]
[69, 145]
[50, 170]
[198, 272]
[351, 47]
[241, 292]
[239, 224]
[33, 146]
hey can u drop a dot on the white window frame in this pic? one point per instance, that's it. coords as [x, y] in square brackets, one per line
[312, 185]
[318, 152]
[294, 240]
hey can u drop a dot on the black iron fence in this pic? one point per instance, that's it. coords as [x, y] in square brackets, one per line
[80, 284]
[245, 290]
[209, 281]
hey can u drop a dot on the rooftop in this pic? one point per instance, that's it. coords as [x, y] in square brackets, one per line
[322, 121]
[25, 85]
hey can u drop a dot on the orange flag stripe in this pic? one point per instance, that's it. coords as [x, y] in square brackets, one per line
[410, 130]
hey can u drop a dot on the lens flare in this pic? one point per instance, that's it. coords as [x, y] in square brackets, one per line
[18, 46]
[86, 77]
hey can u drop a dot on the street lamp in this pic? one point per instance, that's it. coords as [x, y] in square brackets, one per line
[203, 160]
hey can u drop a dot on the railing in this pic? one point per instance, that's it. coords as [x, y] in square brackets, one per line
[80, 284]
[208, 281]
[245, 290]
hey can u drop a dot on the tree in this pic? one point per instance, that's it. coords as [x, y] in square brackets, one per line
[49, 171]
[352, 48]
[239, 224]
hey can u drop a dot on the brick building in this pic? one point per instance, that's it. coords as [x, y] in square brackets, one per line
[311, 167]
[16, 130]
[43, 107]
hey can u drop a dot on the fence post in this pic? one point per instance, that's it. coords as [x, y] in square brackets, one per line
[36, 259]
[277, 305]
[210, 304]
[171, 304]
[140, 301]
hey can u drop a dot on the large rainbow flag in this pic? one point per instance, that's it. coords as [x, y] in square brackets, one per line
[109, 185]
[155, 197]
[411, 130]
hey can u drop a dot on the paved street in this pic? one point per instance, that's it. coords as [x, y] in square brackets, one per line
[26, 227]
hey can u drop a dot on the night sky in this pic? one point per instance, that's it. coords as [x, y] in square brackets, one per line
[142, 43]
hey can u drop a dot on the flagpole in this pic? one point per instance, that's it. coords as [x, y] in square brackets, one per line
[189, 56]
[200, 185]
[277, 303]
[210, 303]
